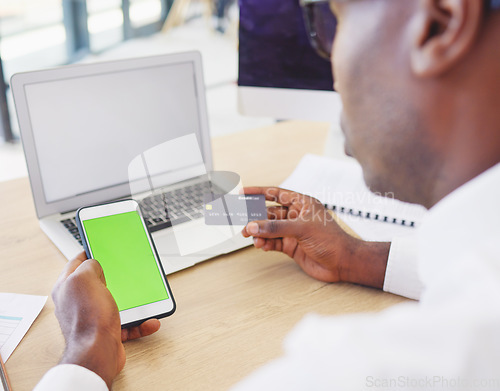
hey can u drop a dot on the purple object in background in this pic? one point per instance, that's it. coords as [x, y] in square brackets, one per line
[274, 49]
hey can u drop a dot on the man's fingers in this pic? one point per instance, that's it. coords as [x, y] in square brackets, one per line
[276, 194]
[71, 266]
[277, 212]
[82, 256]
[274, 229]
[272, 244]
[268, 244]
[78, 265]
[147, 328]
[92, 266]
[259, 242]
[69, 269]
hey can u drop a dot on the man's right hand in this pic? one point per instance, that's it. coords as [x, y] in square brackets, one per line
[90, 322]
[301, 227]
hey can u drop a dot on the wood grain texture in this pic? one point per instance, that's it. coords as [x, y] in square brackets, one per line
[232, 311]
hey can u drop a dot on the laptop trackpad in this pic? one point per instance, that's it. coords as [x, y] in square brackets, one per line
[194, 238]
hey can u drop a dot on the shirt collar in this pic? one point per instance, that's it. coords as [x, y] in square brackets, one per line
[458, 223]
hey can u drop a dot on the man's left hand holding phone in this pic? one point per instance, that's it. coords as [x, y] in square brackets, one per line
[93, 324]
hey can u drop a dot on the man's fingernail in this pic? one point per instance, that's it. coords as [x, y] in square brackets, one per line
[253, 228]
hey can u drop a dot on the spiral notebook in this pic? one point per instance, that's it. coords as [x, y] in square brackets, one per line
[339, 185]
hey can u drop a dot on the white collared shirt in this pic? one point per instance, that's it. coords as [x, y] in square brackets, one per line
[450, 340]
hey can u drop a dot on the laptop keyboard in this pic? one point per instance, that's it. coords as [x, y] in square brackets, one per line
[174, 207]
[164, 210]
[70, 225]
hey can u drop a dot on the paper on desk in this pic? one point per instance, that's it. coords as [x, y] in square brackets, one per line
[340, 183]
[17, 314]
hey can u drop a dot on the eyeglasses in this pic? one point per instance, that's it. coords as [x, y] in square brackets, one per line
[493, 4]
[321, 23]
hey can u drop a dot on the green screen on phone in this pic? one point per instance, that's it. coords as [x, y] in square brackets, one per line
[120, 244]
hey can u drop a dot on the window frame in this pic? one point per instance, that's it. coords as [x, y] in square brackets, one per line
[75, 21]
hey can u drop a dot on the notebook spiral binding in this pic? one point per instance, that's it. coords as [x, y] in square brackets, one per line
[371, 216]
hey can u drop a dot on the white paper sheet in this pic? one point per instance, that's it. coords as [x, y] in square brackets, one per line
[17, 314]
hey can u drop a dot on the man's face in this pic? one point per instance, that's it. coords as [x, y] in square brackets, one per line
[380, 119]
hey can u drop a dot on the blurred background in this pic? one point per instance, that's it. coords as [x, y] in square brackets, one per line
[37, 34]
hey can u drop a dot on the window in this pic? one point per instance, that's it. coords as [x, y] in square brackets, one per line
[36, 34]
[145, 12]
[39, 33]
[105, 23]
[32, 35]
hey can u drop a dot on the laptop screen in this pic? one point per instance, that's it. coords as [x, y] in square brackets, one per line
[87, 129]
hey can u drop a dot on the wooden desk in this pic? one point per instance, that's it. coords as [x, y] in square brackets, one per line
[233, 311]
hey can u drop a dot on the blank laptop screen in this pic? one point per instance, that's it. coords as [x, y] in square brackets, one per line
[88, 129]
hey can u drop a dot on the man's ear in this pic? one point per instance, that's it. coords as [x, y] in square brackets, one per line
[444, 32]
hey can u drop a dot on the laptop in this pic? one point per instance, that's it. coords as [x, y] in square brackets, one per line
[89, 131]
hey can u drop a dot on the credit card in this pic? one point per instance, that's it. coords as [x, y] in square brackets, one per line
[234, 209]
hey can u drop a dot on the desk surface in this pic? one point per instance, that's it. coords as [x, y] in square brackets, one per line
[232, 311]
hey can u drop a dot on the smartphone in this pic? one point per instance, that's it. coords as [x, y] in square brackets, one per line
[116, 235]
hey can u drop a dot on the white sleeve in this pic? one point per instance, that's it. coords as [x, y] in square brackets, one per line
[71, 377]
[401, 275]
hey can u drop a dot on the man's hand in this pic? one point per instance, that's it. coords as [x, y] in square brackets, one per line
[302, 228]
[90, 322]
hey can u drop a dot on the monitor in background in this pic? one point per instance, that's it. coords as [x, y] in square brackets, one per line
[280, 74]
